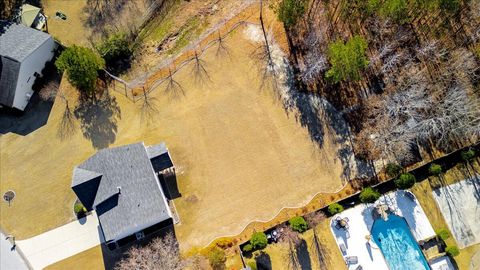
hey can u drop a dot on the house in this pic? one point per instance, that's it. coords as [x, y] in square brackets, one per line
[23, 54]
[124, 186]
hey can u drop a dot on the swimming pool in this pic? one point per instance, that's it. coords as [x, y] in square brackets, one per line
[398, 246]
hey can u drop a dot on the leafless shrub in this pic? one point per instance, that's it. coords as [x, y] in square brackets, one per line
[161, 254]
[49, 91]
[314, 218]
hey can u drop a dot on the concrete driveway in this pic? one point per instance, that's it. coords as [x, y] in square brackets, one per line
[62, 242]
[9, 258]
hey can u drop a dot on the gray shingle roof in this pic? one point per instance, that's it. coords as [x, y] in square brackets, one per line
[156, 150]
[141, 202]
[9, 70]
[18, 41]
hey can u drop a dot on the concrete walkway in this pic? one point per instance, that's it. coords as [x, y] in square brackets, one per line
[62, 242]
[9, 258]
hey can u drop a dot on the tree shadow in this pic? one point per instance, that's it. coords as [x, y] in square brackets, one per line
[263, 261]
[98, 119]
[67, 125]
[303, 255]
[322, 254]
[102, 12]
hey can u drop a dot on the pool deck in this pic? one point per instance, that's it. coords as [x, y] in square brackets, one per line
[360, 222]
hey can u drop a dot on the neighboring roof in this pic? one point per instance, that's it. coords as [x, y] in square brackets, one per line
[29, 14]
[18, 41]
[441, 263]
[9, 70]
[159, 157]
[141, 202]
[156, 150]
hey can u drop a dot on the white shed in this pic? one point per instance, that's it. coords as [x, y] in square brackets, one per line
[23, 53]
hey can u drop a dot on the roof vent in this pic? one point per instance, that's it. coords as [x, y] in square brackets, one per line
[119, 190]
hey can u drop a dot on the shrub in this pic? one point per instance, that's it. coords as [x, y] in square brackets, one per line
[452, 251]
[79, 208]
[216, 257]
[396, 10]
[468, 155]
[369, 195]
[258, 240]
[435, 169]
[450, 6]
[298, 224]
[406, 180]
[289, 11]
[393, 169]
[115, 47]
[81, 65]
[347, 59]
[335, 208]
[253, 265]
[443, 234]
[247, 248]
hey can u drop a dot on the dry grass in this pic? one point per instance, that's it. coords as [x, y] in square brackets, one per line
[278, 253]
[71, 31]
[239, 155]
[89, 259]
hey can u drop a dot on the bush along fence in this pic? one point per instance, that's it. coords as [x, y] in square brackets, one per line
[367, 195]
[164, 72]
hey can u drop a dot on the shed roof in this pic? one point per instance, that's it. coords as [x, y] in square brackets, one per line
[141, 201]
[29, 14]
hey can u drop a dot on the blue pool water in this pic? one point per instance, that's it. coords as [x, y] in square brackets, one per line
[398, 245]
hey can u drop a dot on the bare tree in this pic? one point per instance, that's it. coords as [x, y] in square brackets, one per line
[160, 254]
[315, 61]
[264, 54]
[292, 239]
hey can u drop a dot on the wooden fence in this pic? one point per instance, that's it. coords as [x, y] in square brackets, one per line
[134, 90]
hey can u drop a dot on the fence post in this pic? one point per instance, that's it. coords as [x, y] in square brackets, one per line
[125, 87]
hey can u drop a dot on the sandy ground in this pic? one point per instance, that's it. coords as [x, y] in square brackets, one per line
[239, 154]
[460, 206]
